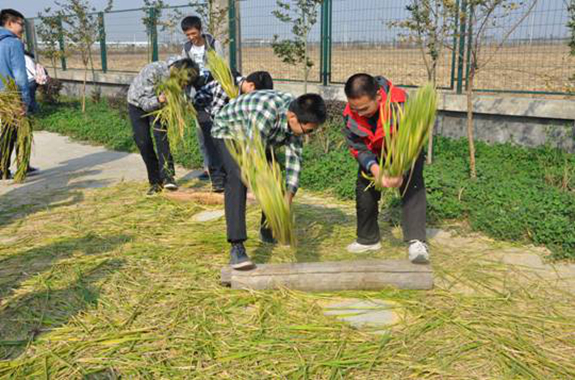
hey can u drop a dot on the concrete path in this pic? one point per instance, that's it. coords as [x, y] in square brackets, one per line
[65, 164]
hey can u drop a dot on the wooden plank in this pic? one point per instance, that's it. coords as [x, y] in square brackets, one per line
[332, 276]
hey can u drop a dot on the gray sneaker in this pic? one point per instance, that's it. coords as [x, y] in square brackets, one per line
[418, 252]
[239, 259]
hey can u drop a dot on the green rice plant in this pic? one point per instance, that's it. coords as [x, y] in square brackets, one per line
[13, 121]
[406, 131]
[265, 180]
[178, 113]
[222, 73]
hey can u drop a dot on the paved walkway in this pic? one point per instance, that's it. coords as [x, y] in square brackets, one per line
[65, 164]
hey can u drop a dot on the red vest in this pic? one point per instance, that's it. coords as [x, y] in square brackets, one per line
[360, 126]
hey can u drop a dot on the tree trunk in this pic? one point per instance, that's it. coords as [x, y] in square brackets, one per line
[469, 94]
[53, 59]
[84, 89]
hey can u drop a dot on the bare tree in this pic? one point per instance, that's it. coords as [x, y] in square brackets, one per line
[480, 16]
[302, 15]
[430, 24]
[215, 18]
[50, 30]
[82, 32]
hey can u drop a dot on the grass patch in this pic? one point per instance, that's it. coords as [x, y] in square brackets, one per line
[120, 285]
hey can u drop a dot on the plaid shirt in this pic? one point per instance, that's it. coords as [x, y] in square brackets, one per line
[266, 109]
[212, 97]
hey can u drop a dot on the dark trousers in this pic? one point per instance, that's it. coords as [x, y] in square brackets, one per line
[212, 156]
[413, 207]
[234, 195]
[33, 86]
[213, 160]
[160, 167]
[7, 139]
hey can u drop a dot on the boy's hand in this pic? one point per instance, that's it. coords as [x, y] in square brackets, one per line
[162, 98]
[393, 182]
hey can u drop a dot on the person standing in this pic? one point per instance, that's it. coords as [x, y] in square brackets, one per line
[13, 64]
[196, 48]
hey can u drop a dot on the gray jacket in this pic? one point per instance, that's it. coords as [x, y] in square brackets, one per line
[142, 92]
[211, 43]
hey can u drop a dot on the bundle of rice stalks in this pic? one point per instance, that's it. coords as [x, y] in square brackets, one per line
[222, 73]
[266, 182]
[11, 122]
[178, 113]
[406, 131]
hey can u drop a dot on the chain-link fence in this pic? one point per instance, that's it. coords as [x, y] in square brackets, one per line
[349, 36]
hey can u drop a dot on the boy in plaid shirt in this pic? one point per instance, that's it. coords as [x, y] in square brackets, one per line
[210, 99]
[281, 120]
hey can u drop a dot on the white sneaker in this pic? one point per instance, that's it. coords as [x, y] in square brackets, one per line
[418, 252]
[356, 247]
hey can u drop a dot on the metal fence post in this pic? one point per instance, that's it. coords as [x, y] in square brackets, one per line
[232, 34]
[461, 53]
[454, 53]
[154, 33]
[469, 42]
[29, 35]
[326, 41]
[102, 33]
[61, 43]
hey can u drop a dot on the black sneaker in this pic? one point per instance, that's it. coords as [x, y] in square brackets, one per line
[239, 259]
[170, 184]
[154, 189]
[218, 187]
[205, 176]
[266, 236]
[32, 171]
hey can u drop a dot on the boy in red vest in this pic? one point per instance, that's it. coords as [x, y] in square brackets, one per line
[364, 136]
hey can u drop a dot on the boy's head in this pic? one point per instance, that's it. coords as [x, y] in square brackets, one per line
[13, 21]
[189, 65]
[362, 92]
[258, 80]
[306, 113]
[192, 28]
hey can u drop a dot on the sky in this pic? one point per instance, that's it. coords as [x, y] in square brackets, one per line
[364, 20]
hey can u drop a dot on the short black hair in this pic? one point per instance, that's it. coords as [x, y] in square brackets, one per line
[361, 84]
[9, 15]
[309, 108]
[262, 80]
[29, 54]
[190, 65]
[191, 22]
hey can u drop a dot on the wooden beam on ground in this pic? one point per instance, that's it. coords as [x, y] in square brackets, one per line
[332, 276]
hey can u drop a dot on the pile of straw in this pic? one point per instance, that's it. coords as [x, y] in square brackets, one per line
[13, 121]
[177, 114]
[406, 131]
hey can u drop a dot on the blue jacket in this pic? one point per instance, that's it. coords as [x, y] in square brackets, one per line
[13, 64]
